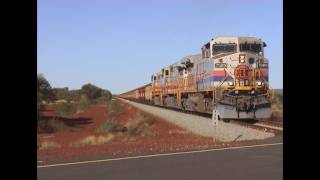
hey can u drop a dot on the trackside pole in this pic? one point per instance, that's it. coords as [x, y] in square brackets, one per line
[215, 121]
[214, 117]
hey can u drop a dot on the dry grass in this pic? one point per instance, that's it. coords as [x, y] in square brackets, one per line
[115, 108]
[137, 125]
[141, 125]
[48, 145]
[277, 107]
[66, 109]
[108, 126]
[94, 140]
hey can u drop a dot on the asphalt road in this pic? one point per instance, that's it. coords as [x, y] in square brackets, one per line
[262, 163]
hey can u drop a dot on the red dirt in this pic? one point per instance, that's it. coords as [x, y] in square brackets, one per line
[168, 137]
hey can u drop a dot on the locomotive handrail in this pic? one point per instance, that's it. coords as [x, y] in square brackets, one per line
[217, 99]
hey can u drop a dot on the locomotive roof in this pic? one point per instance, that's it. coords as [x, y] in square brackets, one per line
[238, 39]
[219, 39]
[192, 58]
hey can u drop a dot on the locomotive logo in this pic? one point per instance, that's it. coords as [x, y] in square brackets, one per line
[242, 72]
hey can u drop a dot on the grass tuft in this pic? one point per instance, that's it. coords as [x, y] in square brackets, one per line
[94, 140]
[108, 126]
[48, 145]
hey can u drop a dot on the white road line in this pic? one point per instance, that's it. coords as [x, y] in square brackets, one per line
[268, 126]
[156, 155]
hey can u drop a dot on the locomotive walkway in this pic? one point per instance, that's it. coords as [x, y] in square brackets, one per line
[202, 126]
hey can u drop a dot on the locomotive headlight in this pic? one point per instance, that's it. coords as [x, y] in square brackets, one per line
[252, 92]
[230, 83]
[242, 58]
[259, 83]
[236, 92]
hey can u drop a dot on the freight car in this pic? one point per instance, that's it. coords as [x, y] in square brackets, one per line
[228, 79]
[141, 94]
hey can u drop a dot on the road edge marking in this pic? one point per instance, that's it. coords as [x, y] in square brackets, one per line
[156, 155]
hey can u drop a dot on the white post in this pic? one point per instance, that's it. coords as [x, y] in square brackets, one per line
[214, 117]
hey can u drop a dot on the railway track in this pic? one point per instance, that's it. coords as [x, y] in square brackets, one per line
[263, 125]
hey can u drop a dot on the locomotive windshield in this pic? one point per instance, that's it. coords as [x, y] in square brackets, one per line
[223, 48]
[256, 48]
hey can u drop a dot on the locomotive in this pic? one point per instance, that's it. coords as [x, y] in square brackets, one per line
[228, 79]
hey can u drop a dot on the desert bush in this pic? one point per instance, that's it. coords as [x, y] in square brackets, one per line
[142, 126]
[108, 126]
[91, 91]
[44, 93]
[66, 109]
[142, 129]
[84, 103]
[75, 95]
[52, 125]
[44, 90]
[106, 95]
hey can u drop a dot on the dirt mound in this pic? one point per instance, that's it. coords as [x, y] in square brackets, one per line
[82, 140]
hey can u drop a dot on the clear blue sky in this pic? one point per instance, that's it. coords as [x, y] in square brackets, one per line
[118, 44]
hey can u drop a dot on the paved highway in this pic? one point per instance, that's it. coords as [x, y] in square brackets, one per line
[262, 163]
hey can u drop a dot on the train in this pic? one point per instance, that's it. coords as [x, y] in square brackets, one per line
[229, 79]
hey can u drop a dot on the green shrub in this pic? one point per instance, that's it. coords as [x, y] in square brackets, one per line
[91, 91]
[143, 128]
[66, 109]
[84, 103]
[52, 125]
[44, 89]
[108, 126]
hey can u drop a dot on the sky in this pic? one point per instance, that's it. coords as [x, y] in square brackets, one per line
[118, 44]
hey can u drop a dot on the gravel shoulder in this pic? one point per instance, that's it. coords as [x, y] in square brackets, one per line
[203, 126]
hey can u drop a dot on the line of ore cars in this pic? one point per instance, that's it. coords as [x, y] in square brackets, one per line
[229, 78]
